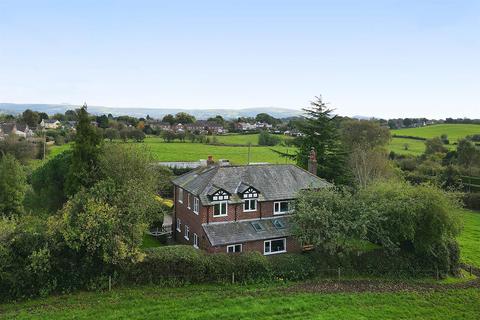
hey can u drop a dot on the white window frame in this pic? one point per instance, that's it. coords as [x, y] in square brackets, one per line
[187, 233]
[275, 212]
[196, 205]
[250, 201]
[233, 246]
[179, 225]
[270, 246]
[220, 204]
[180, 195]
[195, 240]
[188, 200]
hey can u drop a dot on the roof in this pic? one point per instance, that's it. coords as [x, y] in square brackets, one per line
[273, 181]
[223, 233]
[22, 127]
[50, 120]
[7, 127]
[204, 123]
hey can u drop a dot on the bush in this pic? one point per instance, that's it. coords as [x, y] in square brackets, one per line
[472, 200]
[293, 266]
[169, 263]
[267, 139]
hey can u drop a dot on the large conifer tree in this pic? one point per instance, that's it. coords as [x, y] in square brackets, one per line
[83, 169]
[320, 130]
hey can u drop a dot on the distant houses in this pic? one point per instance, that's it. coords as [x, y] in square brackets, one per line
[50, 124]
[18, 129]
[245, 126]
[200, 126]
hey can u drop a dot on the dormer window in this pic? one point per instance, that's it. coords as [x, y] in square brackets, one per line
[221, 195]
[250, 193]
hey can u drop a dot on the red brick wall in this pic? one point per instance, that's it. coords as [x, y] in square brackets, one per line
[235, 212]
[292, 246]
[188, 217]
[205, 215]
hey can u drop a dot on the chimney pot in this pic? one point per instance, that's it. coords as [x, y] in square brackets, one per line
[210, 161]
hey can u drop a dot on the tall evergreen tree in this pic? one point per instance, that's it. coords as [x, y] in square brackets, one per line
[320, 131]
[83, 169]
[13, 185]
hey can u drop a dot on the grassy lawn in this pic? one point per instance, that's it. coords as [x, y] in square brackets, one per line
[186, 151]
[149, 241]
[454, 131]
[250, 302]
[469, 240]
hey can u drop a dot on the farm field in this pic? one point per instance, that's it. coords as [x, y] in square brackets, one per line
[187, 151]
[469, 240]
[248, 302]
[417, 147]
[262, 301]
[245, 139]
[454, 131]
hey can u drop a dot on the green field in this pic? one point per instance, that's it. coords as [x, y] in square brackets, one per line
[187, 151]
[469, 240]
[244, 139]
[417, 147]
[453, 131]
[249, 302]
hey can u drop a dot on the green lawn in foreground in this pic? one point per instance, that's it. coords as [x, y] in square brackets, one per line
[186, 151]
[251, 302]
[469, 239]
[454, 131]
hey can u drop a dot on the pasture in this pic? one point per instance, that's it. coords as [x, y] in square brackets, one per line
[469, 239]
[187, 151]
[453, 131]
[268, 301]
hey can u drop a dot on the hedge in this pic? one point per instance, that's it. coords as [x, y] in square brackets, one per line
[472, 200]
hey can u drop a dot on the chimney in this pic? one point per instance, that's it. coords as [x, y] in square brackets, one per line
[210, 161]
[312, 162]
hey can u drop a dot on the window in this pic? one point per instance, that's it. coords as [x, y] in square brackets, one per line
[257, 226]
[278, 224]
[275, 246]
[220, 209]
[196, 205]
[188, 200]
[220, 195]
[250, 205]
[179, 224]
[180, 195]
[187, 232]
[281, 207]
[195, 240]
[234, 248]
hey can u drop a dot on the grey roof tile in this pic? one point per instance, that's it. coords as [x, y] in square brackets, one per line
[273, 181]
[224, 233]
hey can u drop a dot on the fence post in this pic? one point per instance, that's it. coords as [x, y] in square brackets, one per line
[438, 276]
[339, 271]
[233, 277]
[109, 283]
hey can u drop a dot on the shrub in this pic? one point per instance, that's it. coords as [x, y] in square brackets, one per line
[472, 200]
[162, 264]
[293, 266]
[267, 139]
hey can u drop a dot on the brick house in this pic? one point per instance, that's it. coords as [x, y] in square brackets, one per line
[240, 208]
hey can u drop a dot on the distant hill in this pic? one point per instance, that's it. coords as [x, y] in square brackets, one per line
[226, 112]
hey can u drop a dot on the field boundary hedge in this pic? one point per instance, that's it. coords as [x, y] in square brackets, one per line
[409, 137]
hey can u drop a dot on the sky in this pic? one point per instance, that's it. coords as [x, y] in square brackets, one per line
[371, 58]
